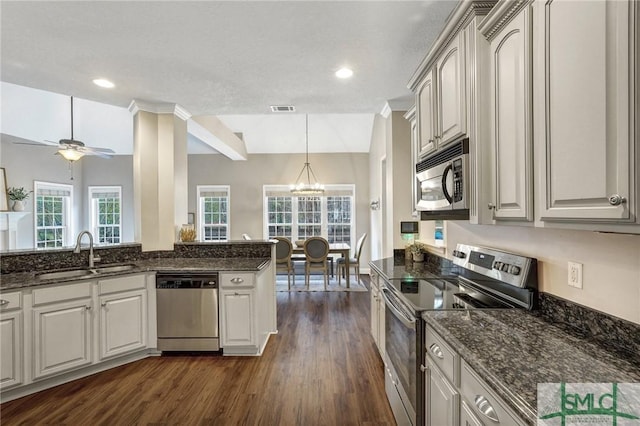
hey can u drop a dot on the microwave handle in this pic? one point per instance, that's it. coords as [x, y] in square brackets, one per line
[446, 171]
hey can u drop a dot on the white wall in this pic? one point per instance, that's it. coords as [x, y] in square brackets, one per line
[611, 262]
[247, 178]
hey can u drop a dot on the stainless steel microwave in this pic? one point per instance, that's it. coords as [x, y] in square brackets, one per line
[442, 183]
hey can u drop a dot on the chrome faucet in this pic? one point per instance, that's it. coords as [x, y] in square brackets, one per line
[76, 250]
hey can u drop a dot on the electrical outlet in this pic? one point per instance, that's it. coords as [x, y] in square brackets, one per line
[575, 274]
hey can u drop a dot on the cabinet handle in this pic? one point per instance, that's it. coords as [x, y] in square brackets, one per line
[616, 200]
[88, 308]
[435, 349]
[237, 280]
[236, 294]
[486, 408]
[490, 206]
[104, 304]
[423, 368]
[4, 302]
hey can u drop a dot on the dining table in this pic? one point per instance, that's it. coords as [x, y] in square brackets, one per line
[340, 248]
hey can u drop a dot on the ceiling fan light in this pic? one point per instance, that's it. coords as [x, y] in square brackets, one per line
[70, 154]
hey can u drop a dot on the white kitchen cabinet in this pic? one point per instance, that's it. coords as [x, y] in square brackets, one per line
[11, 343]
[585, 96]
[511, 112]
[237, 318]
[62, 336]
[443, 400]
[123, 323]
[426, 110]
[377, 313]
[247, 315]
[440, 100]
[123, 315]
[467, 418]
[451, 89]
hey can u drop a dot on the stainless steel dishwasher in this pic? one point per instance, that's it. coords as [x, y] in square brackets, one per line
[187, 313]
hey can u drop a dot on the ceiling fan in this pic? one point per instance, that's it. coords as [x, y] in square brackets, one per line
[72, 149]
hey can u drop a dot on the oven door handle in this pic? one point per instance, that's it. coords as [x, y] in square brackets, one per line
[397, 312]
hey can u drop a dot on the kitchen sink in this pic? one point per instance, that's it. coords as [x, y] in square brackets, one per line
[80, 273]
[73, 273]
[114, 268]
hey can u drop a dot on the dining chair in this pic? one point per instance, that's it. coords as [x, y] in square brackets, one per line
[284, 248]
[353, 261]
[316, 250]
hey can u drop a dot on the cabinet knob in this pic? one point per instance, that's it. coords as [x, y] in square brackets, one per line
[423, 368]
[237, 280]
[616, 200]
[88, 308]
[236, 294]
[3, 302]
[490, 206]
[104, 304]
[435, 349]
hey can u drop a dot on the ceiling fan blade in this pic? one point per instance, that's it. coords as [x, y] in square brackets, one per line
[103, 150]
[36, 143]
[97, 154]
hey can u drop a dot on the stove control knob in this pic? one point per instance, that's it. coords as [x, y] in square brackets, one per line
[459, 254]
[515, 270]
[504, 267]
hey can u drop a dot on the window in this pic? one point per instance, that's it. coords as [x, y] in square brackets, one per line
[105, 209]
[52, 214]
[330, 215]
[213, 212]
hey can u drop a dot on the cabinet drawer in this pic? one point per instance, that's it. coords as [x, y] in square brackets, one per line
[61, 292]
[238, 280]
[122, 283]
[442, 355]
[10, 301]
[483, 402]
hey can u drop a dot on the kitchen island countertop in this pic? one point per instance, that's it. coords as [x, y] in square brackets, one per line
[19, 280]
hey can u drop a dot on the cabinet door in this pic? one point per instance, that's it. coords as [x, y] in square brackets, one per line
[381, 327]
[452, 116]
[237, 318]
[585, 128]
[10, 349]
[62, 337]
[123, 323]
[511, 124]
[467, 418]
[374, 314]
[442, 400]
[426, 112]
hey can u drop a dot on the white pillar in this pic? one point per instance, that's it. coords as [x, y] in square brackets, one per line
[160, 189]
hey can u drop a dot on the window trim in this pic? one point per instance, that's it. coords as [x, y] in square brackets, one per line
[199, 217]
[93, 222]
[269, 190]
[68, 219]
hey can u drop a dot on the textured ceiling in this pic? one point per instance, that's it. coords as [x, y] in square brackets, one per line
[213, 57]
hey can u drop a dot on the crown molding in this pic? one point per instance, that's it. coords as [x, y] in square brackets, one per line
[500, 16]
[159, 108]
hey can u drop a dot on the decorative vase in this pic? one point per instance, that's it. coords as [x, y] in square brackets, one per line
[418, 257]
[18, 206]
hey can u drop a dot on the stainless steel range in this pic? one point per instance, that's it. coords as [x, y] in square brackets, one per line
[482, 278]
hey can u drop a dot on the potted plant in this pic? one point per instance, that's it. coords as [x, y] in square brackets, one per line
[417, 251]
[18, 195]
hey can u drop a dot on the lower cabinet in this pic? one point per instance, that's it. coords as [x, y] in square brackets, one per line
[247, 314]
[237, 318]
[11, 344]
[123, 325]
[62, 335]
[443, 399]
[377, 313]
[455, 394]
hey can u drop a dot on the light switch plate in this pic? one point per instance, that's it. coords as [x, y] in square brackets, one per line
[575, 274]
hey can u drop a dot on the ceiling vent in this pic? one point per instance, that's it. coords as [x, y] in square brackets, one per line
[283, 108]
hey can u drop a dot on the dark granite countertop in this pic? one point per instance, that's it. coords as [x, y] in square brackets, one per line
[20, 280]
[394, 268]
[514, 350]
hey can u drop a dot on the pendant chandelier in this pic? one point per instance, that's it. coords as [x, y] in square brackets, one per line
[307, 188]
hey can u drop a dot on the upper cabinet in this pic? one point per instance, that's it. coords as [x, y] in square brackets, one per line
[585, 82]
[426, 110]
[451, 107]
[511, 116]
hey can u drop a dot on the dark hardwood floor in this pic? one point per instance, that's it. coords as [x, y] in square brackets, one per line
[321, 369]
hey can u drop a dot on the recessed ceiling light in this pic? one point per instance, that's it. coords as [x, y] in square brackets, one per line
[344, 73]
[104, 83]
